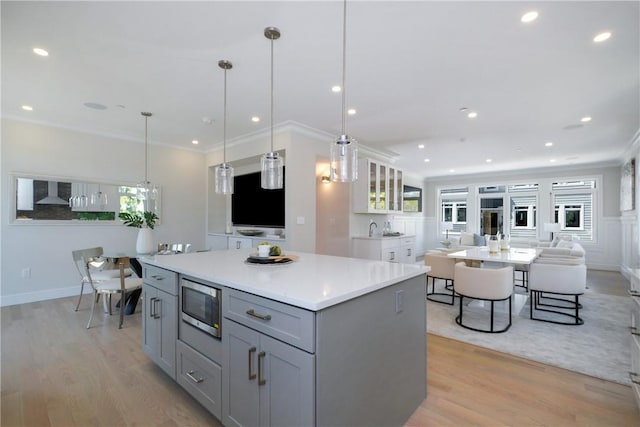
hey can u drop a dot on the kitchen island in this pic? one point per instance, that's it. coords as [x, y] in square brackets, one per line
[338, 341]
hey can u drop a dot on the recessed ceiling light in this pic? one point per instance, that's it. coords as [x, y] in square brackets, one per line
[27, 108]
[489, 160]
[602, 37]
[421, 146]
[195, 142]
[472, 115]
[548, 144]
[552, 160]
[452, 170]
[585, 119]
[336, 89]
[39, 51]
[529, 16]
[207, 120]
[255, 119]
[351, 111]
[95, 106]
[427, 160]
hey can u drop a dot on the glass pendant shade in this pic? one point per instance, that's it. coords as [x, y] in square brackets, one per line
[344, 159]
[224, 179]
[271, 171]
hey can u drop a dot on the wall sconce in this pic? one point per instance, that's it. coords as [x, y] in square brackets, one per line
[325, 179]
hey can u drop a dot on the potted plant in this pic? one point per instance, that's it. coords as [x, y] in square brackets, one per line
[146, 222]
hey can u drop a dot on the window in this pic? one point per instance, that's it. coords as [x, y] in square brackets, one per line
[523, 216]
[412, 199]
[453, 205]
[574, 207]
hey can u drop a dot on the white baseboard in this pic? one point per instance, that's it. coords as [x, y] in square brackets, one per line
[48, 294]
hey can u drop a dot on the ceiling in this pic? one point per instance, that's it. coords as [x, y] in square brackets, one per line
[411, 67]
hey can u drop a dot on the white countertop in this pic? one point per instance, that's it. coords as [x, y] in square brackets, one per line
[381, 237]
[313, 282]
[512, 256]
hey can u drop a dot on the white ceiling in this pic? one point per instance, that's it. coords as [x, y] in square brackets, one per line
[411, 66]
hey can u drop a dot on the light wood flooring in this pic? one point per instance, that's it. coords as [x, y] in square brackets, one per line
[57, 373]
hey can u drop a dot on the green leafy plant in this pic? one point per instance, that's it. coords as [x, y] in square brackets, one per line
[138, 220]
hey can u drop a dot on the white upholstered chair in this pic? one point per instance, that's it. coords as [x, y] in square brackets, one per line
[489, 284]
[98, 268]
[121, 285]
[442, 268]
[555, 287]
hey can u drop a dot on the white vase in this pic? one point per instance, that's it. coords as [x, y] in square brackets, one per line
[144, 243]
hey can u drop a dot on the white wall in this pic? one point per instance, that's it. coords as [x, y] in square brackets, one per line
[604, 253]
[46, 249]
[302, 146]
[630, 233]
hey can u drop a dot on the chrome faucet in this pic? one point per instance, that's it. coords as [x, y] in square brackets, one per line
[370, 229]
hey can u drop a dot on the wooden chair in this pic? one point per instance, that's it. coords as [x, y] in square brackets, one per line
[122, 285]
[98, 268]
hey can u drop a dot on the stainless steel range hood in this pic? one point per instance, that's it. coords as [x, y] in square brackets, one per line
[52, 196]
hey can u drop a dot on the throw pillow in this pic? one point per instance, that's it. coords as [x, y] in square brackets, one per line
[466, 239]
[478, 240]
[564, 244]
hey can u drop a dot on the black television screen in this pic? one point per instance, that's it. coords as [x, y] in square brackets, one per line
[251, 205]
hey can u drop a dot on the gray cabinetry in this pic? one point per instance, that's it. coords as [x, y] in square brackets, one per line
[201, 377]
[160, 317]
[634, 290]
[265, 381]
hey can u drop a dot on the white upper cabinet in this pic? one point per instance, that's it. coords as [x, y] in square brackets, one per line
[378, 188]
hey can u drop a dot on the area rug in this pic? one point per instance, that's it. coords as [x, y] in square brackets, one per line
[599, 348]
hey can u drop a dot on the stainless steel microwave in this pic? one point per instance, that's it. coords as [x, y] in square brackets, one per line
[201, 306]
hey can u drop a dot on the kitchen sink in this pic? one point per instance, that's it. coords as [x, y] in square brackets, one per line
[392, 234]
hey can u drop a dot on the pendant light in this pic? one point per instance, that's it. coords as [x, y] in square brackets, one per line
[146, 192]
[271, 163]
[224, 171]
[344, 151]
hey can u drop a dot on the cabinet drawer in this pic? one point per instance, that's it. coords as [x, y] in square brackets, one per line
[160, 278]
[284, 322]
[201, 377]
[407, 241]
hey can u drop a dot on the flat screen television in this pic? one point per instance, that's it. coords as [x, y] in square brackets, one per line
[251, 205]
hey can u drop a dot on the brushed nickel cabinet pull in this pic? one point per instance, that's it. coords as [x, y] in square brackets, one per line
[156, 314]
[634, 293]
[151, 314]
[157, 278]
[392, 256]
[258, 315]
[632, 376]
[261, 381]
[193, 378]
[252, 376]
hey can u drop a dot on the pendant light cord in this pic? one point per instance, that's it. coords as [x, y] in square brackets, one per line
[146, 120]
[344, 66]
[224, 126]
[272, 93]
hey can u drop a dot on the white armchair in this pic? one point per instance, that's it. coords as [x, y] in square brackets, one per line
[489, 284]
[555, 285]
[442, 267]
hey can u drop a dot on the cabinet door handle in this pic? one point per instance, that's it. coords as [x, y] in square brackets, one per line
[158, 278]
[151, 306]
[258, 315]
[633, 330]
[261, 381]
[409, 252]
[156, 312]
[632, 377]
[392, 256]
[252, 376]
[238, 244]
[634, 293]
[193, 378]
